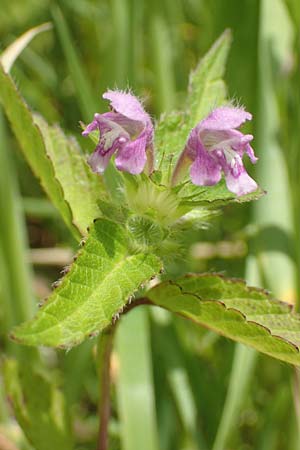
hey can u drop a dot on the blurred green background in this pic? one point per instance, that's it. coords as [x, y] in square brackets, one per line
[180, 387]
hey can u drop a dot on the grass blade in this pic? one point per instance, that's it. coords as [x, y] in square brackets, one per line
[12, 52]
[135, 384]
[86, 98]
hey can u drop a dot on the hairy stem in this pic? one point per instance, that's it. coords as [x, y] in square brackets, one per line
[104, 348]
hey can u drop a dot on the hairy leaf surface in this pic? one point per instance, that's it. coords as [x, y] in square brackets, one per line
[244, 314]
[55, 160]
[31, 142]
[214, 196]
[207, 89]
[82, 188]
[100, 282]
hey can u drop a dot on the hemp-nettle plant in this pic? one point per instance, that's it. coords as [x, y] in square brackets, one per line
[137, 202]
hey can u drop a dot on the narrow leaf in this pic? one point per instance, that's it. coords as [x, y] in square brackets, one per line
[244, 314]
[39, 407]
[56, 160]
[240, 378]
[86, 98]
[207, 90]
[100, 282]
[11, 53]
[135, 389]
[31, 142]
[82, 188]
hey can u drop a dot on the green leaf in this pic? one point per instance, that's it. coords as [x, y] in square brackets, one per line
[84, 93]
[134, 383]
[244, 362]
[11, 53]
[101, 280]
[39, 407]
[31, 142]
[171, 133]
[55, 160]
[213, 196]
[244, 314]
[207, 90]
[82, 188]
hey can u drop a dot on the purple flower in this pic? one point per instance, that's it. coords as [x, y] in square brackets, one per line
[127, 131]
[215, 145]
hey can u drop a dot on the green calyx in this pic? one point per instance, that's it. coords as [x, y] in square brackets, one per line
[147, 199]
[144, 231]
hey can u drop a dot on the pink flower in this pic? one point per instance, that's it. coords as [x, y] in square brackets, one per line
[215, 145]
[127, 131]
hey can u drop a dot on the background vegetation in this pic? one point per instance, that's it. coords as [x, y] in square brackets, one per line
[175, 386]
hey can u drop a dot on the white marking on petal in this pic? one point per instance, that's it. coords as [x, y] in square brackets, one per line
[109, 138]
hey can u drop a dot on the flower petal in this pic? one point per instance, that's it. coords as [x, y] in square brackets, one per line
[241, 185]
[128, 105]
[237, 179]
[205, 170]
[91, 127]
[133, 127]
[111, 138]
[98, 161]
[132, 156]
[250, 152]
[242, 145]
[224, 118]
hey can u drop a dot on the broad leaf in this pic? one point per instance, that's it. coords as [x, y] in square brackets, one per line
[244, 314]
[57, 162]
[206, 91]
[101, 280]
[39, 407]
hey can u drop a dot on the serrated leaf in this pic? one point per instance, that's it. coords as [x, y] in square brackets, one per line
[100, 282]
[244, 314]
[39, 407]
[207, 90]
[82, 188]
[11, 53]
[214, 196]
